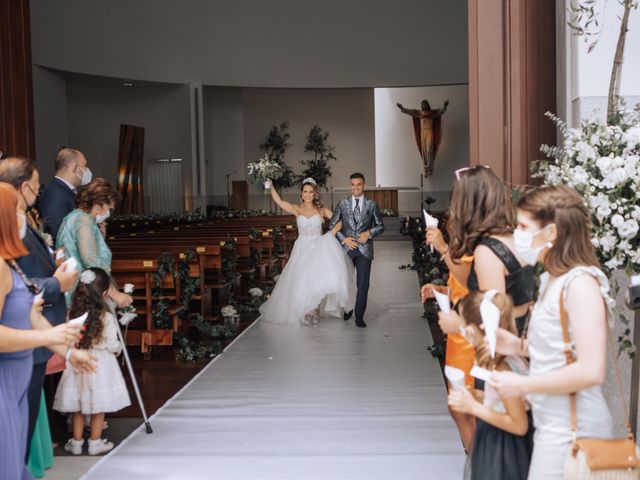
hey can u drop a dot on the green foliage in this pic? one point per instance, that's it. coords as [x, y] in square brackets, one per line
[318, 167]
[160, 313]
[276, 145]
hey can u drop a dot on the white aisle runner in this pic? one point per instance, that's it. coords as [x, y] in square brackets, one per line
[325, 402]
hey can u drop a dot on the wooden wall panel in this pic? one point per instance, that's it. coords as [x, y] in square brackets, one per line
[512, 83]
[16, 88]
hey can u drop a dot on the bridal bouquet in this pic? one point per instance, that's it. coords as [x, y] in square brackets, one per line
[602, 163]
[264, 170]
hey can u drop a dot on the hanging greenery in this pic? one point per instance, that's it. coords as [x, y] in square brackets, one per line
[161, 319]
[275, 145]
[228, 270]
[318, 167]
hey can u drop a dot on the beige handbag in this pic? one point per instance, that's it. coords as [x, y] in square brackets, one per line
[598, 458]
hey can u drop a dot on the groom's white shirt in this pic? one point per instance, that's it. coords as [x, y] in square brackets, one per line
[353, 201]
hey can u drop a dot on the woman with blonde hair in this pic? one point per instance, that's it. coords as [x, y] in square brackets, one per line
[554, 226]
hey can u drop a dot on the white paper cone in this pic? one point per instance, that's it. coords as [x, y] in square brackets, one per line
[443, 301]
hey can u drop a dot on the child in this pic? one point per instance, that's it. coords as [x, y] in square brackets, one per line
[93, 393]
[503, 440]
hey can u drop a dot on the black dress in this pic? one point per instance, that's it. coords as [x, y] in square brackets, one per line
[519, 282]
[500, 455]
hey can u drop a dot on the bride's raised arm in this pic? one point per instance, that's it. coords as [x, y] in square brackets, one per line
[286, 206]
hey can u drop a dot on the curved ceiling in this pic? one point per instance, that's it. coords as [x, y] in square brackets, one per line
[256, 43]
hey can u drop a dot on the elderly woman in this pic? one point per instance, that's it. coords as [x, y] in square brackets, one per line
[80, 233]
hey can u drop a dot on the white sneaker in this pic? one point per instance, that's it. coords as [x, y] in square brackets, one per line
[96, 447]
[74, 447]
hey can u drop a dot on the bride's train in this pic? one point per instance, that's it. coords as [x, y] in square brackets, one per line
[318, 274]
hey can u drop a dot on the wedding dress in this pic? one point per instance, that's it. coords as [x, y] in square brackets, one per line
[318, 273]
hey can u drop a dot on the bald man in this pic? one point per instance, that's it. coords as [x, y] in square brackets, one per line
[59, 197]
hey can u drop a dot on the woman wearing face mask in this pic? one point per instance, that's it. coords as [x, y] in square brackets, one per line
[80, 234]
[554, 227]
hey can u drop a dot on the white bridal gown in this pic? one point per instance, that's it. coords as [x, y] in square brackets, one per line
[318, 271]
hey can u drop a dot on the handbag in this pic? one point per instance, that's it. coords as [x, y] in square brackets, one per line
[598, 458]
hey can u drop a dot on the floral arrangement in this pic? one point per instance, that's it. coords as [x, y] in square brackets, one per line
[256, 292]
[127, 314]
[263, 170]
[602, 163]
[229, 311]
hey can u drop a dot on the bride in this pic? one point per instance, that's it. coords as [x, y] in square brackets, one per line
[318, 275]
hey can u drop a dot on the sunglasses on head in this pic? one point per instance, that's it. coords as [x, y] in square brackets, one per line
[461, 172]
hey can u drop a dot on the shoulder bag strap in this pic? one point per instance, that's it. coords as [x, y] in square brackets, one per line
[568, 352]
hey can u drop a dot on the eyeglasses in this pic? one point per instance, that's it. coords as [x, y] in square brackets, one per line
[462, 171]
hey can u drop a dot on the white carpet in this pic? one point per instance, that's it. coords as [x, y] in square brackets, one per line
[326, 402]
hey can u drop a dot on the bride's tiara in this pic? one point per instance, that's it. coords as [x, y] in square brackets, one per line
[309, 180]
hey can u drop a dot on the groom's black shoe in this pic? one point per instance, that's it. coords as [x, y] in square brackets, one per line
[361, 324]
[347, 315]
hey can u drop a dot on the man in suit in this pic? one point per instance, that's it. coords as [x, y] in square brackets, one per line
[59, 197]
[361, 222]
[41, 269]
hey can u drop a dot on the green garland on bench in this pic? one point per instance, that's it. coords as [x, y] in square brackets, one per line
[161, 319]
[202, 343]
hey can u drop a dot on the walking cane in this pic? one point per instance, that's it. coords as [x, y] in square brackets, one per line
[134, 382]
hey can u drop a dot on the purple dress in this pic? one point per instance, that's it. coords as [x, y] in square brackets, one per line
[15, 375]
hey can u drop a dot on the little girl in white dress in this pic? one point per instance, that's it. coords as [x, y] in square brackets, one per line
[105, 390]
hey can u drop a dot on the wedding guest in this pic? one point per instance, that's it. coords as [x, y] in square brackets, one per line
[554, 227]
[481, 223]
[504, 434]
[21, 329]
[40, 268]
[459, 353]
[80, 235]
[58, 199]
[105, 391]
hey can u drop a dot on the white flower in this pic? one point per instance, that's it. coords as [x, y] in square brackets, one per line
[613, 263]
[632, 137]
[228, 311]
[604, 164]
[87, 277]
[585, 151]
[126, 318]
[617, 220]
[128, 288]
[255, 292]
[628, 229]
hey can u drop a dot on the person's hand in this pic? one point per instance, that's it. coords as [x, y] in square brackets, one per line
[364, 237]
[508, 384]
[461, 400]
[59, 257]
[122, 299]
[508, 343]
[103, 228]
[37, 307]
[66, 279]
[351, 243]
[434, 237]
[449, 322]
[64, 334]
[82, 361]
[427, 289]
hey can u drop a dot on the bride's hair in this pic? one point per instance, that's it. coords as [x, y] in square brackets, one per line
[316, 195]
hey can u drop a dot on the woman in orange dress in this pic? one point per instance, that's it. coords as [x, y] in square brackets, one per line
[459, 353]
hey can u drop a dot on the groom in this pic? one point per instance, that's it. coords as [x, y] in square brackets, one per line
[361, 222]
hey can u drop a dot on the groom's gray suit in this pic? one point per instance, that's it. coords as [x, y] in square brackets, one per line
[352, 226]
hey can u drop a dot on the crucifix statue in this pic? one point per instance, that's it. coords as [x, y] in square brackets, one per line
[427, 126]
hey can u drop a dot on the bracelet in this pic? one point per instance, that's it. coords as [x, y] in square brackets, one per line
[442, 255]
[68, 355]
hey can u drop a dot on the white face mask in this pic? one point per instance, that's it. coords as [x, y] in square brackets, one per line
[103, 216]
[22, 226]
[524, 240]
[86, 176]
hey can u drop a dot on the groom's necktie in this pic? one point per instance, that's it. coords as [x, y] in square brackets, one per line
[356, 211]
